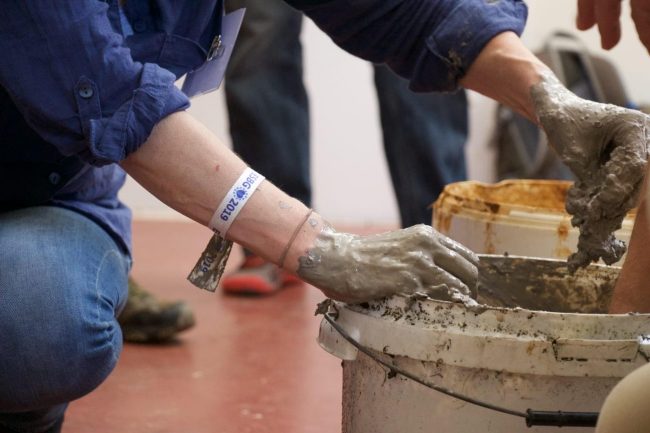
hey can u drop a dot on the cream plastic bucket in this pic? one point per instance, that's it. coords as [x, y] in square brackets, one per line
[518, 217]
[518, 358]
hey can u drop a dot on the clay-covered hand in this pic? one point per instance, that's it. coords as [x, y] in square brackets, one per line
[606, 147]
[606, 13]
[418, 259]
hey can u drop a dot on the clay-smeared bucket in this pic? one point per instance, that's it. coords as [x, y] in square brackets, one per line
[518, 217]
[542, 342]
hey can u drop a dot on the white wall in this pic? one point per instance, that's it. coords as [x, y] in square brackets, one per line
[350, 177]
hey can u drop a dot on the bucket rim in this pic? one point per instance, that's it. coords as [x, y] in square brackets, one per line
[454, 192]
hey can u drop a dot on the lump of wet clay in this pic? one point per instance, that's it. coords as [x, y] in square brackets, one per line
[606, 147]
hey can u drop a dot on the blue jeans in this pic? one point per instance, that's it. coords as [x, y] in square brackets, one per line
[62, 281]
[424, 134]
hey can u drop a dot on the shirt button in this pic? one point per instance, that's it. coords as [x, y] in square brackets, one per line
[55, 178]
[86, 91]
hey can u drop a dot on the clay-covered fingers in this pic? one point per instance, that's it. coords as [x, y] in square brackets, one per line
[456, 259]
[458, 248]
[456, 263]
[459, 268]
[454, 286]
[641, 18]
[623, 176]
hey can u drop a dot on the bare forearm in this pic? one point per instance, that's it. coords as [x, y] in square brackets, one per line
[188, 168]
[632, 292]
[185, 166]
[506, 71]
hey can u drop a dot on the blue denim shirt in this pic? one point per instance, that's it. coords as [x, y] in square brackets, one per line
[77, 96]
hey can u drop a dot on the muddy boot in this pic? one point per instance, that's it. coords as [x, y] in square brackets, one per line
[146, 319]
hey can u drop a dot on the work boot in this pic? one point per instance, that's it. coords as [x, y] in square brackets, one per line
[146, 319]
[256, 276]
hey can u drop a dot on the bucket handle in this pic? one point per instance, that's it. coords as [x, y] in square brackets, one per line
[532, 417]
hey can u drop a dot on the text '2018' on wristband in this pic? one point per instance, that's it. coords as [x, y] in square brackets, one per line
[234, 201]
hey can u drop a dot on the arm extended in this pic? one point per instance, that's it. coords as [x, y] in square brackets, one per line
[505, 70]
[189, 169]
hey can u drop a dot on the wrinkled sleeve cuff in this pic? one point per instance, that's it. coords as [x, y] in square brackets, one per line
[457, 41]
[112, 139]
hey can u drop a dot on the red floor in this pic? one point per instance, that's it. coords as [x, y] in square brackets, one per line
[250, 364]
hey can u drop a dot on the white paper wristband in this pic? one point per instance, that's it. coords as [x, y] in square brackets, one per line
[234, 201]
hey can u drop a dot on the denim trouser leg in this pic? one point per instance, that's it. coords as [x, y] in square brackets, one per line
[62, 281]
[266, 98]
[424, 139]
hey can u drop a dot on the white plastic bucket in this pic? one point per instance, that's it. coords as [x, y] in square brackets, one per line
[517, 358]
[518, 217]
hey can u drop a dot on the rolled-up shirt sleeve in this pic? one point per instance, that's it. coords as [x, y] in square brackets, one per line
[74, 80]
[430, 42]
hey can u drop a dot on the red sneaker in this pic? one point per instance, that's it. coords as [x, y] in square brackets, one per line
[255, 277]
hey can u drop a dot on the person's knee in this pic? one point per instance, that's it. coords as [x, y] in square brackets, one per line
[626, 408]
[35, 373]
[60, 338]
[47, 362]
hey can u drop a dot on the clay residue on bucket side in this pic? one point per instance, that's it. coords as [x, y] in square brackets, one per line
[562, 250]
[535, 206]
[489, 238]
[500, 198]
[545, 285]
